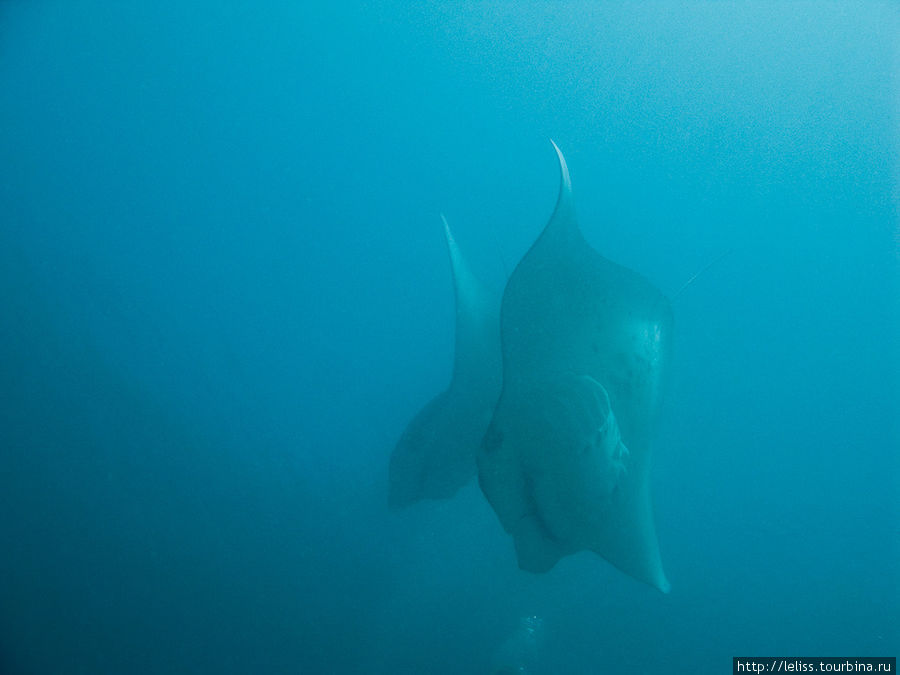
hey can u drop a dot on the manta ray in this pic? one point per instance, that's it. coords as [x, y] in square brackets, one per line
[435, 456]
[586, 345]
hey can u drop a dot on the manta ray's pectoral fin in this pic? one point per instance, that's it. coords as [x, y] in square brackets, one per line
[435, 456]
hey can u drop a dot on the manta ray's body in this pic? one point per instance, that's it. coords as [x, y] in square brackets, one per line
[435, 456]
[565, 462]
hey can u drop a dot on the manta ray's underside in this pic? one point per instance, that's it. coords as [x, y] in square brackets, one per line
[565, 462]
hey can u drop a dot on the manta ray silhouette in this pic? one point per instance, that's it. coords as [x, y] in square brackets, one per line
[435, 456]
[565, 462]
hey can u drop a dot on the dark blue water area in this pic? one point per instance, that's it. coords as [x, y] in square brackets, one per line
[225, 293]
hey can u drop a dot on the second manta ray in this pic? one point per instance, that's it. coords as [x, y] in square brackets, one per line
[565, 462]
[435, 456]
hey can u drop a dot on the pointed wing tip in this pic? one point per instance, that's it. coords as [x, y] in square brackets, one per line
[565, 179]
[448, 235]
[663, 585]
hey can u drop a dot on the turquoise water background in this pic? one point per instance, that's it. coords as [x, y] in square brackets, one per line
[225, 293]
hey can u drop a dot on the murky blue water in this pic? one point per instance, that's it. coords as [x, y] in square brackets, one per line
[225, 292]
